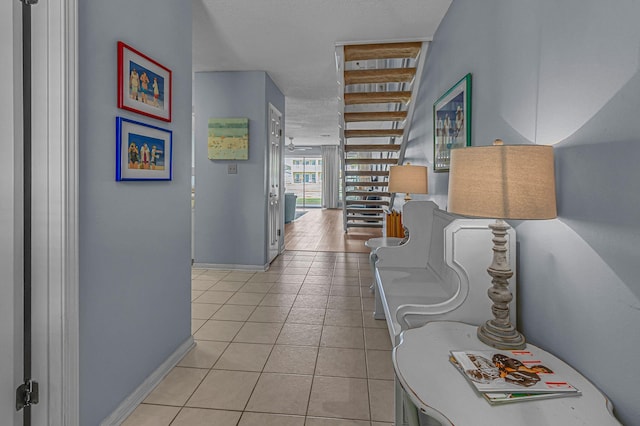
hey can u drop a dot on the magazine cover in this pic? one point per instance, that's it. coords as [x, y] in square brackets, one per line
[510, 372]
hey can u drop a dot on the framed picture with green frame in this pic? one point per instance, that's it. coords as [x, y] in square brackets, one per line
[451, 123]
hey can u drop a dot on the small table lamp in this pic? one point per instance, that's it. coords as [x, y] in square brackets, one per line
[502, 182]
[408, 179]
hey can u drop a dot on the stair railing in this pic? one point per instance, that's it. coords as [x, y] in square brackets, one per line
[420, 61]
[341, 126]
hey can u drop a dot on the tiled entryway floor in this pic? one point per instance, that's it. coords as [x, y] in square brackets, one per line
[296, 345]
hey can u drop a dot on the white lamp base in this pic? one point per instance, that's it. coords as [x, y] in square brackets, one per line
[499, 332]
[500, 337]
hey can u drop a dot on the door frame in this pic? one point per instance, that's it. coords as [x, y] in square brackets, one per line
[55, 213]
[11, 211]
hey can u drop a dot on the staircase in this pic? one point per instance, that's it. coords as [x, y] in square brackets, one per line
[377, 83]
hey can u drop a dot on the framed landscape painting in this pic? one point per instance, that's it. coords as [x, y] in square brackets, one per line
[228, 139]
[143, 152]
[451, 123]
[144, 85]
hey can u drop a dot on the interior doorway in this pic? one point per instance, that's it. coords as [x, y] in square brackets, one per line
[303, 177]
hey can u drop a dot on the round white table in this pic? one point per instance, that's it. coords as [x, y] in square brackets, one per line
[438, 390]
[373, 244]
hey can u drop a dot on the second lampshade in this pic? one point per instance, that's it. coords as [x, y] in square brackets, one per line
[409, 179]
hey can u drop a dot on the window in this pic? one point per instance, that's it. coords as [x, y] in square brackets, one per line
[310, 177]
[304, 180]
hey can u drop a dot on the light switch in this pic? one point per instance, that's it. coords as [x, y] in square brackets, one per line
[232, 169]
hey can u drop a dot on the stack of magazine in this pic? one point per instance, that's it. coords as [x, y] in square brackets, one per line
[510, 376]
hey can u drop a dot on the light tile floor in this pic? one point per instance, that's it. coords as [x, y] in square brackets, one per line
[293, 346]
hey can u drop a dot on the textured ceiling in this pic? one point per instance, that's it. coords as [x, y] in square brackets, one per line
[294, 42]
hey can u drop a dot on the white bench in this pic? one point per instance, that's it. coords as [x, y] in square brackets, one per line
[440, 273]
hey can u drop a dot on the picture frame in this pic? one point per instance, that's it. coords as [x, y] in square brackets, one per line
[228, 138]
[143, 152]
[144, 85]
[451, 123]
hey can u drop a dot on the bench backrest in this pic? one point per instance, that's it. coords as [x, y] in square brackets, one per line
[417, 217]
[436, 261]
[468, 253]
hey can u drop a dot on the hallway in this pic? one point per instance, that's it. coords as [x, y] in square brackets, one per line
[296, 345]
[321, 230]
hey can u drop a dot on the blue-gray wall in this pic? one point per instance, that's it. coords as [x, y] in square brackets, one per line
[230, 225]
[134, 236]
[566, 74]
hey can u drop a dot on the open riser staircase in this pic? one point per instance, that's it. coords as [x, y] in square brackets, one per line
[377, 83]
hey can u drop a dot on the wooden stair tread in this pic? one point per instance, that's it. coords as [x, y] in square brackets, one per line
[372, 133]
[351, 117]
[368, 202]
[360, 52]
[355, 98]
[366, 173]
[387, 147]
[367, 194]
[364, 210]
[371, 161]
[360, 183]
[363, 225]
[367, 218]
[381, 75]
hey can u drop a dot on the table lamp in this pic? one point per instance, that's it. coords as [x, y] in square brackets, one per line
[502, 182]
[408, 179]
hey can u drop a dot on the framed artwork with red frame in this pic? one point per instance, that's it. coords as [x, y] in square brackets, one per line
[144, 85]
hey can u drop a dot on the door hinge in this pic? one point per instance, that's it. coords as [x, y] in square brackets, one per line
[278, 232]
[27, 394]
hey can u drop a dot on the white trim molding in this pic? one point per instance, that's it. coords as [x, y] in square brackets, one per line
[55, 215]
[231, 267]
[137, 396]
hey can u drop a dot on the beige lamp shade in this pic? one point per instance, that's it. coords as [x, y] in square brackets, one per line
[408, 178]
[503, 182]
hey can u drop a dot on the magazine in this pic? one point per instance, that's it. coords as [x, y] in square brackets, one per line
[505, 398]
[510, 372]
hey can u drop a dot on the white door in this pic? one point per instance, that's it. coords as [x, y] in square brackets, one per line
[275, 213]
[10, 213]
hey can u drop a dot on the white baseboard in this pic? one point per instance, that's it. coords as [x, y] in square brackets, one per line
[137, 396]
[230, 266]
